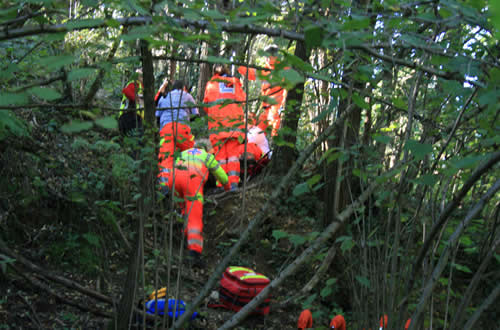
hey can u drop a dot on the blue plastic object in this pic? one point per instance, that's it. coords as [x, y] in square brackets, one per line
[179, 309]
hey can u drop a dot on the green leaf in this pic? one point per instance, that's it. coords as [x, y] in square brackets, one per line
[462, 268]
[467, 162]
[494, 8]
[419, 150]
[53, 63]
[84, 23]
[216, 59]
[11, 125]
[81, 73]
[278, 234]
[77, 197]
[107, 122]
[427, 179]
[292, 77]
[112, 23]
[466, 241]
[360, 174]
[347, 244]
[76, 127]
[315, 179]
[313, 35]
[326, 292]
[363, 281]
[214, 14]
[13, 98]
[382, 138]
[356, 22]
[46, 93]
[92, 239]
[301, 189]
[331, 281]
[399, 103]
[360, 102]
[297, 240]
[308, 302]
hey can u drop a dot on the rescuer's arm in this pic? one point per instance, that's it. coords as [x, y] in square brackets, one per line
[219, 173]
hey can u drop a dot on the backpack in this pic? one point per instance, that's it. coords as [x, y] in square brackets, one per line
[161, 295]
[239, 285]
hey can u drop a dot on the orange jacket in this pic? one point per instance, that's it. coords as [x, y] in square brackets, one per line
[338, 322]
[129, 90]
[278, 93]
[174, 137]
[229, 116]
[305, 320]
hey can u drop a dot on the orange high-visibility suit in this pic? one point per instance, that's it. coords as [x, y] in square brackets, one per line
[338, 322]
[305, 320]
[272, 112]
[226, 122]
[175, 136]
[187, 181]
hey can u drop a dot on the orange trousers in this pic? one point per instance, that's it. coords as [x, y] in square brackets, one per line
[227, 153]
[189, 186]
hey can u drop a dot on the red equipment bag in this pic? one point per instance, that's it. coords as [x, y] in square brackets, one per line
[239, 285]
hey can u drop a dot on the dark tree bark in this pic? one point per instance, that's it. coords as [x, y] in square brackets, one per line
[204, 77]
[127, 301]
[285, 154]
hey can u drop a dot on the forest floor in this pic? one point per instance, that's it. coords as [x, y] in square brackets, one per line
[29, 300]
[24, 306]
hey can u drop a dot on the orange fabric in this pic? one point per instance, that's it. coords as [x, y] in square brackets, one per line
[188, 183]
[338, 322]
[383, 321]
[271, 115]
[229, 116]
[129, 90]
[407, 325]
[305, 320]
[227, 154]
[252, 149]
[177, 137]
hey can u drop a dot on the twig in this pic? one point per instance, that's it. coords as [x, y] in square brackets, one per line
[314, 280]
[453, 205]
[59, 297]
[47, 275]
[447, 250]
[33, 312]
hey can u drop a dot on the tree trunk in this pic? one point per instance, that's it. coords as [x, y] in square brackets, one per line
[205, 71]
[127, 301]
[285, 154]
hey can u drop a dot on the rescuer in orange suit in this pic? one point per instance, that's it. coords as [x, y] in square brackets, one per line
[305, 320]
[226, 121]
[187, 181]
[272, 112]
[175, 137]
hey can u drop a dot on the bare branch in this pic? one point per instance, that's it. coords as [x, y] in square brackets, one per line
[61, 280]
[487, 302]
[483, 168]
[443, 260]
[141, 20]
